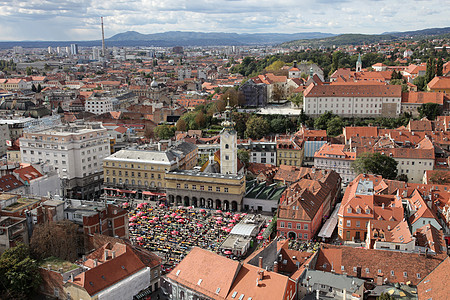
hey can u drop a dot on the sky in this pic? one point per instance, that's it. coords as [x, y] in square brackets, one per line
[77, 20]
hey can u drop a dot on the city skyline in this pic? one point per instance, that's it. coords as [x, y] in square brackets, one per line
[53, 20]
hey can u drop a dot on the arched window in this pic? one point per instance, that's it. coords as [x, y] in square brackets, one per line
[227, 146]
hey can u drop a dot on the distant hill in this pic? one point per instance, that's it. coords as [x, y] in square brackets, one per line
[359, 39]
[189, 38]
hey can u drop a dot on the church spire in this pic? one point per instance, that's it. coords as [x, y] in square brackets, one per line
[359, 63]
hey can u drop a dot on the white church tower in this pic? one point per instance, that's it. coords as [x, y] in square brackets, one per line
[228, 144]
[359, 63]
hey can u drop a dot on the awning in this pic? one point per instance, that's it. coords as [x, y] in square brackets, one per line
[148, 193]
[110, 189]
[127, 191]
[330, 224]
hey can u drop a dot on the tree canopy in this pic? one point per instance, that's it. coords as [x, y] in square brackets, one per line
[257, 127]
[429, 110]
[58, 239]
[376, 163]
[164, 132]
[20, 277]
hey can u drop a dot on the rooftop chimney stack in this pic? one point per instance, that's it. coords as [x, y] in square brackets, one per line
[275, 267]
[106, 254]
[260, 262]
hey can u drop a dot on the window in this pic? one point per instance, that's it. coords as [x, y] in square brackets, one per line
[178, 185]
[194, 187]
[299, 226]
[217, 189]
[227, 157]
[289, 225]
[305, 226]
[210, 188]
[357, 224]
[306, 236]
[349, 223]
[418, 275]
[186, 186]
[367, 270]
[225, 190]
[392, 273]
[281, 224]
[202, 188]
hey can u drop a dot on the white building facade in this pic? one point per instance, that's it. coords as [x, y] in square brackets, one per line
[76, 152]
[353, 100]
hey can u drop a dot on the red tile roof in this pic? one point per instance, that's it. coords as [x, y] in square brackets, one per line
[435, 284]
[28, 173]
[110, 272]
[374, 263]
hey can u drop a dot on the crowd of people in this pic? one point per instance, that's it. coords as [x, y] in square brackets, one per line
[172, 231]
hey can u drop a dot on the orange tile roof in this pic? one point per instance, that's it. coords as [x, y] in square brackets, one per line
[204, 271]
[109, 272]
[430, 237]
[423, 97]
[356, 90]
[435, 284]
[439, 83]
[346, 259]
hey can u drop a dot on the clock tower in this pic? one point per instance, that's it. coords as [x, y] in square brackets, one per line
[228, 144]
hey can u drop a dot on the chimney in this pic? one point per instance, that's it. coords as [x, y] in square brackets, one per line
[106, 255]
[113, 254]
[344, 294]
[260, 275]
[318, 294]
[382, 205]
[71, 277]
[260, 262]
[275, 267]
[95, 262]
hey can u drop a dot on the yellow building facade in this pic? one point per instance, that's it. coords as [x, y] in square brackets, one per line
[208, 190]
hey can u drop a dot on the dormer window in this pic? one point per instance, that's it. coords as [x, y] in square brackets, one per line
[349, 210]
[358, 210]
[367, 210]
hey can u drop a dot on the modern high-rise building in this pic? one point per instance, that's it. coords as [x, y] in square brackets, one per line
[74, 49]
[75, 150]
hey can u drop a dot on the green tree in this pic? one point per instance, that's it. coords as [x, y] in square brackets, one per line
[400, 82]
[420, 82]
[429, 110]
[278, 125]
[164, 132]
[29, 70]
[33, 88]
[439, 67]
[334, 126]
[39, 88]
[296, 99]
[278, 93]
[257, 127]
[240, 120]
[322, 121]
[20, 277]
[275, 66]
[402, 177]
[243, 156]
[376, 163]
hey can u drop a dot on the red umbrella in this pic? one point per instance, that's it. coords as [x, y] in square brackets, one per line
[200, 225]
[228, 252]
[228, 213]
[140, 238]
[233, 221]
[161, 205]
[218, 211]
[259, 237]
[202, 210]
[218, 222]
[219, 218]
[166, 216]
[174, 232]
[230, 225]
[155, 218]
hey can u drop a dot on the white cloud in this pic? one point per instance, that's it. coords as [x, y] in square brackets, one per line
[80, 19]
